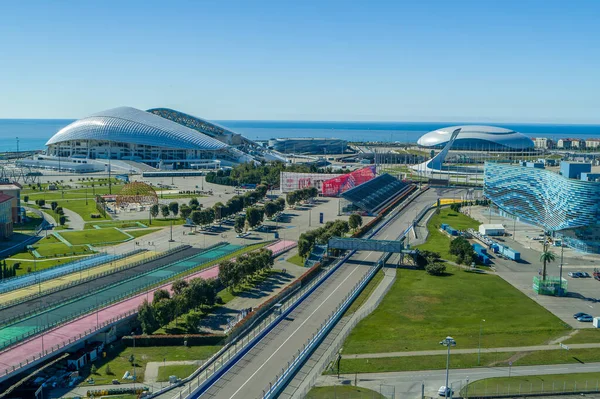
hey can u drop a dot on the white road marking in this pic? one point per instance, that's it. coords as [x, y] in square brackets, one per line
[296, 330]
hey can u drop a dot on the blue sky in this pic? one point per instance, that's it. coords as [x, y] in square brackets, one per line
[491, 60]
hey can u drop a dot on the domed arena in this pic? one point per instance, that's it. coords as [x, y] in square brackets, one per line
[477, 138]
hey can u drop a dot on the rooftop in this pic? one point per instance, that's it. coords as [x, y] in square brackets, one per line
[5, 197]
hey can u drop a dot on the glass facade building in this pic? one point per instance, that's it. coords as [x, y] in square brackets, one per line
[567, 208]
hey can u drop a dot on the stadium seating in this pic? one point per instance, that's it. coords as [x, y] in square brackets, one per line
[370, 196]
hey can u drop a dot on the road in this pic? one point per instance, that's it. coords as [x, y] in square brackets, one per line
[260, 365]
[408, 384]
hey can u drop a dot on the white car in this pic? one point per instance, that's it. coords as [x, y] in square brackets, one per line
[446, 392]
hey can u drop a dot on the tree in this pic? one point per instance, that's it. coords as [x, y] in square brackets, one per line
[174, 208]
[164, 210]
[194, 204]
[436, 269]
[547, 256]
[164, 310]
[185, 211]
[147, 318]
[292, 198]
[26, 198]
[159, 295]
[59, 210]
[197, 217]
[178, 286]
[53, 205]
[41, 202]
[253, 216]
[62, 220]
[93, 369]
[108, 371]
[219, 210]
[131, 359]
[271, 209]
[240, 223]
[154, 210]
[355, 221]
[192, 322]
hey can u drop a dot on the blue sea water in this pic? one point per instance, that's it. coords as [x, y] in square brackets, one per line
[33, 133]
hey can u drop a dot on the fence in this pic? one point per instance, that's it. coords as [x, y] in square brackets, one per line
[524, 386]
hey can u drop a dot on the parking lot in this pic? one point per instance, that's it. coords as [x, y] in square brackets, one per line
[583, 293]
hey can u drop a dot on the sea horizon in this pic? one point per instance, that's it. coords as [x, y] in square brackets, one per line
[34, 133]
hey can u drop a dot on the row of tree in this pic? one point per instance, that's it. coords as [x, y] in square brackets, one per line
[301, 195]
[463, 250]
[321, 235]
[233, 274]
[431, 262]
[478, 202]
[8, 271]
[197, 294]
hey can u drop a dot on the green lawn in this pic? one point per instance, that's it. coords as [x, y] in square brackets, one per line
[179, 370]
[51, 247]
[532, 384]
[99, 236]
[32, 224]
[39, 265]
[80, 207]
[366, 293]
[296, 260]
[420, 310]
[78, 193]
[159, 222]
[342, 392]
[118, 359]
[139, 233]
[466, 360]
[584, 336]
[122, 224]
[440, 242]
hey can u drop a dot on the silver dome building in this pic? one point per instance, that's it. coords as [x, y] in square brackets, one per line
[127, 133]
[478, 138]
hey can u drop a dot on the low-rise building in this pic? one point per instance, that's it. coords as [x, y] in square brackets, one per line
[565, 144]
[6, 219]
[578, 143]
[13, 189]
[543, 142]
[592, 143]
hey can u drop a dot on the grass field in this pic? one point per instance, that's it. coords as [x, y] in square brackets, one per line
[160, 222]
[179, 370]
[420, 310]
[32, 224]
[78, 193]
[533, 383]
[85, 211]
[342, 392]
[440, 242]
[122, 224]
[296, 260]
[51, 247]
[118, 359]
[99, 236]
[39, 265]
[584, 336]
[139, 233]
[366, 293]
[467, 360]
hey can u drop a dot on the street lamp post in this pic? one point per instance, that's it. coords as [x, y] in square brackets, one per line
[448, 342]
[562, 247]
[479, 350]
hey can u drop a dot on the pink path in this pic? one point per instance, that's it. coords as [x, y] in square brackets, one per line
[58, 337]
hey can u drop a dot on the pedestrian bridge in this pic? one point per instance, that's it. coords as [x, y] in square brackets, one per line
[361, 244]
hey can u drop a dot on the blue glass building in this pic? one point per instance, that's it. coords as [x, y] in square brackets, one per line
[567, 208]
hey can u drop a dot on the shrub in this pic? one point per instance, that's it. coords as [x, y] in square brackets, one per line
[435, 269]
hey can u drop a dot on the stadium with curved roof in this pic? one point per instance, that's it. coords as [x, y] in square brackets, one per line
[156, 137]
[478, 138]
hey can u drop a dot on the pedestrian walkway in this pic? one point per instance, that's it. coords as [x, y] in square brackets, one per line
[75, 222]
[534, 348]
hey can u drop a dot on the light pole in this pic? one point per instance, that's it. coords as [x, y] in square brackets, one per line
[467, 389]
[479, 350]
[448, 342]
[562, 247]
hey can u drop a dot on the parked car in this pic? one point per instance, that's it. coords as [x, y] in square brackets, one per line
[585, 274]
[443, 391]
[578, 315]
[573, 274]
[586, 318]
[116, 382]
[597, 277]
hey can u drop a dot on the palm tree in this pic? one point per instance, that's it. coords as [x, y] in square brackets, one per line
[547, 256]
